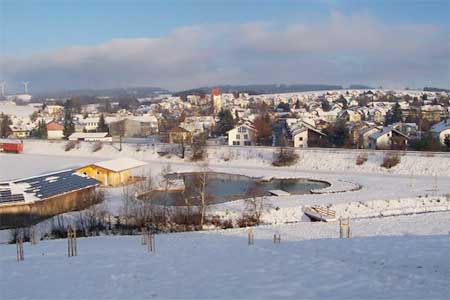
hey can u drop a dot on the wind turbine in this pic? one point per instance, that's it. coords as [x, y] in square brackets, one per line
[2, 85]
[25, 86]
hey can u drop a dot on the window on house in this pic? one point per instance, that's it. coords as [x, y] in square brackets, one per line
[300, 138]
[238, 136]
[247, 143]
[236, 143]
[245, 136]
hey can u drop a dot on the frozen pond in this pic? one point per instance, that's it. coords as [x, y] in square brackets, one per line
[222, 187]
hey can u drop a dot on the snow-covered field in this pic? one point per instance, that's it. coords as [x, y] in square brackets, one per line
[396, 257]
[220, 265]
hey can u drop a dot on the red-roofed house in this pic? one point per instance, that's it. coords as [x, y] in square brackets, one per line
[54, 131]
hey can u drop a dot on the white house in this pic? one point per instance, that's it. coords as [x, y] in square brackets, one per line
[388, 138]
[90, 123]
[441, 131]
[381, 139]
[54, 131]
[242, 135]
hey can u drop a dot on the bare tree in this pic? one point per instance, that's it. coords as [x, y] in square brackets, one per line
[254, 203]
[198, 147]
[167, 182]
[127, 198]
[200, 182]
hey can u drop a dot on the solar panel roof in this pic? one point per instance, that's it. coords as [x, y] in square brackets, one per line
[7, 196]
[57, 183]
[44, 186]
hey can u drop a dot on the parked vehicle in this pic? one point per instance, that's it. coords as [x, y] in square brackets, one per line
[11, 146]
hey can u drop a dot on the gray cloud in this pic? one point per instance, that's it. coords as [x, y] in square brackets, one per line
[340, 49]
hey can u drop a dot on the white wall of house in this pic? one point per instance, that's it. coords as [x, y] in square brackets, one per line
[301, 139]
[55, 134]
[90, 124]
[383, 141]
[242, 136]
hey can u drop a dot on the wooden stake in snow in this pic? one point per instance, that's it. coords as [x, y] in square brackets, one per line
[277, 238]
[71, 242]
[33, 236]
[251, 237]
[144, 236]
[345, 228]
[19, 247]
[151, 242]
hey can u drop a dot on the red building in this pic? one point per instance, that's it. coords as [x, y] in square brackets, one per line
[11, 146]
[215, 92]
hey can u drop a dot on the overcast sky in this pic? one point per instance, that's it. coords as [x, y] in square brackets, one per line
[186, 44]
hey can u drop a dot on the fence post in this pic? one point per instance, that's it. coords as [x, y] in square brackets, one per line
[251, 237]
[277, 238]
[151, 242]
[33, 236]
[71, 242]
[345, 228]
[349, 229]
[19, 247]
[144, 236]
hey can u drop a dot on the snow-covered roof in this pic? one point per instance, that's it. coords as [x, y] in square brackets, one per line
[120, 164]
[79, 135]
[378, 134]
[441, 126]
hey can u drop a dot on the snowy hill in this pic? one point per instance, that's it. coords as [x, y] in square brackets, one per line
[212, 266]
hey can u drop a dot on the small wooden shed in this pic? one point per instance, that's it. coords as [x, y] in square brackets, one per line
[113, 172]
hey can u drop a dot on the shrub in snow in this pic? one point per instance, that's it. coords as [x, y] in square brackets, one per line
[361, 159]
[97, 146]
[70, 145]
[284, 157]
[390, 160]
[247, 220]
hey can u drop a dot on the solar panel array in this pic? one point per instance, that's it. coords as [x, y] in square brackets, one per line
[58, 183]
[6, 195]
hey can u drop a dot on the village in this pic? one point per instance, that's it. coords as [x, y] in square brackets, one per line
[360, 119]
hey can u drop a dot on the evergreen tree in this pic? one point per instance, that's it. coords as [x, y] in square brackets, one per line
[338, 135]
[225, 122]
[342, 101]
[40, 131]
[5, 131]
[102, 127]
[69, 126]
[325, 105]
[43, 129]
[394, 115]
